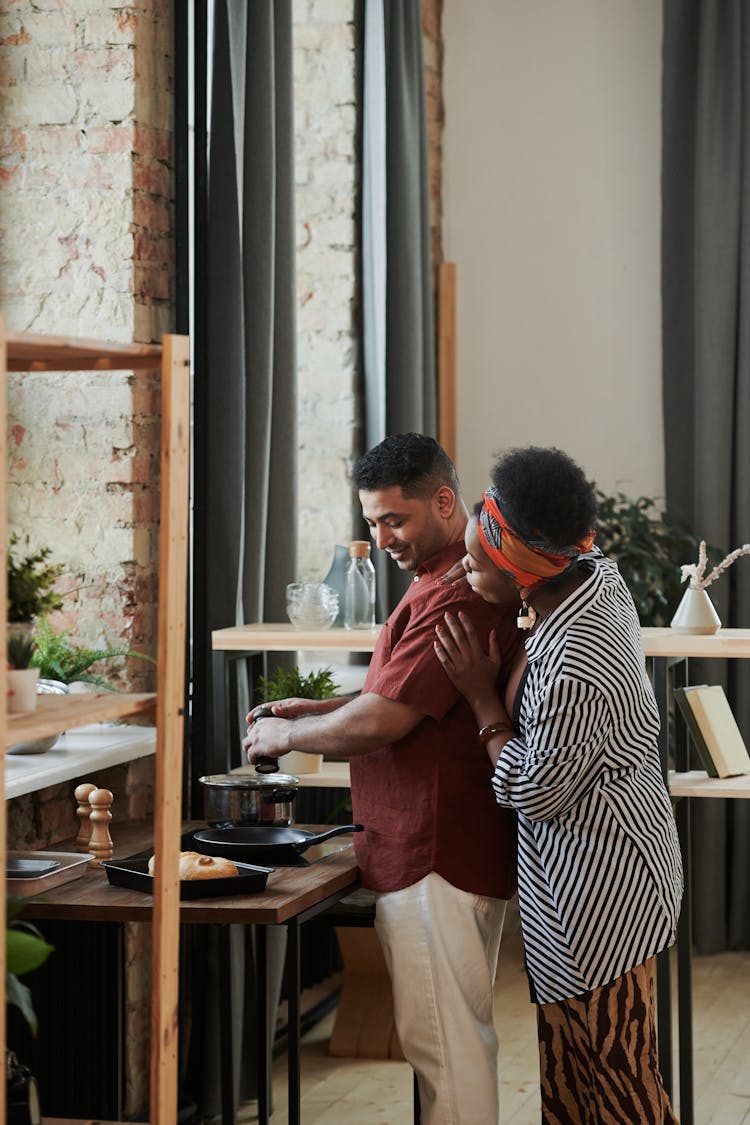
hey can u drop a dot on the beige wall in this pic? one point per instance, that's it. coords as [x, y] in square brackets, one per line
[551, 211]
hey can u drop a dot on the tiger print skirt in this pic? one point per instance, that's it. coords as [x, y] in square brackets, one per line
[597, 1056]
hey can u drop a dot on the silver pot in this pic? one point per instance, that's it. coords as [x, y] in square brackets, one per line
[242, 798]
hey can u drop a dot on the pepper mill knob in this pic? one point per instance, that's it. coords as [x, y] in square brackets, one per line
[82, 793]
[100, 841]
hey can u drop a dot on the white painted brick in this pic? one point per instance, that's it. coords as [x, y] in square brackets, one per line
[333, 11]
[23, 106]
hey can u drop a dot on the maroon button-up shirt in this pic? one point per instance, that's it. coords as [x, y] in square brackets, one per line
[426, 801]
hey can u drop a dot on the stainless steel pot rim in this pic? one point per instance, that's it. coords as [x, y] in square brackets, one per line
[249, 781]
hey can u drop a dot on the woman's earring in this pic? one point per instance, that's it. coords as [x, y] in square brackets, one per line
[526, 617]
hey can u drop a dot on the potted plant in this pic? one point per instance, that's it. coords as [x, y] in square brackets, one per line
[59, 662]
[649, 548]
[22, 675]
[31, 580]
[288, 683]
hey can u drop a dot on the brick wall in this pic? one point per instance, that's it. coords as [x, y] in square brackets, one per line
[327, 257]
[85, 222]
[85, 250]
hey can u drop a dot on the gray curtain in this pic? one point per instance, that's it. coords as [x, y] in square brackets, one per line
[706, 356]
[245, 384]
[398, 310]
[244, 419]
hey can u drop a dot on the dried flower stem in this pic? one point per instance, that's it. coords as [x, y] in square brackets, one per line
[698, 578]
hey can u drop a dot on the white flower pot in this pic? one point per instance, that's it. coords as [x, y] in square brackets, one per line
[695, 613]
[296, 762]
[22, 689]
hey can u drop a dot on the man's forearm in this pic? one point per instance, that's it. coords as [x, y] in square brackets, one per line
[359, 727]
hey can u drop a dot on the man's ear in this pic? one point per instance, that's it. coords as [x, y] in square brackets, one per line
[445, 499]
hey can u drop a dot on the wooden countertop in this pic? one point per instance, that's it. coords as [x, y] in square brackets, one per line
[289, 891]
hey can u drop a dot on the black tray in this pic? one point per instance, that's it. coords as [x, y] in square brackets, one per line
[133, 874]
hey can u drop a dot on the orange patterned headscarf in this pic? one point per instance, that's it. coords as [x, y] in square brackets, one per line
[530, 564]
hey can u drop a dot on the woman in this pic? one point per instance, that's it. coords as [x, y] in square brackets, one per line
[574, 746]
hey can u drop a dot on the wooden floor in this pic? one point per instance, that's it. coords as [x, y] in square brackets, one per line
[367, 1092]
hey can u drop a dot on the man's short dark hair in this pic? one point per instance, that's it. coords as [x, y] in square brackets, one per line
[415, 463]
[545, 495]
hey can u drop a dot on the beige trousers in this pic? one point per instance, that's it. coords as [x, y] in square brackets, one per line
[441, 946]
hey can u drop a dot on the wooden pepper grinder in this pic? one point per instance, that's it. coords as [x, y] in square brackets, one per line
[82, 793]
[100, 841]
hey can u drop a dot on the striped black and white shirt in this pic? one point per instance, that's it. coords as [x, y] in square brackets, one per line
[599, 867]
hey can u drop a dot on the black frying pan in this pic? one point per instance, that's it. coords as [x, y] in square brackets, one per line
[251, 843]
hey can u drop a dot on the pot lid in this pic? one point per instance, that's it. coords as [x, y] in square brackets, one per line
[249, 780]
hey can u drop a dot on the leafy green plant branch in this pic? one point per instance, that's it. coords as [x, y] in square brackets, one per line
[287, 683]
[58, 658]
[649, 548]
[25, 950]
[31, 579]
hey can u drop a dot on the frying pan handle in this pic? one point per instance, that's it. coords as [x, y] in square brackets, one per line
[337, 831]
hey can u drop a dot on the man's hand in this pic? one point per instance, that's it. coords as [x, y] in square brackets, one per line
[294, 707]
[266, 738]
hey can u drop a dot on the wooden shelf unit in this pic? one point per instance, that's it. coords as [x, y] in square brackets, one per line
[21, 352]
[665, 645]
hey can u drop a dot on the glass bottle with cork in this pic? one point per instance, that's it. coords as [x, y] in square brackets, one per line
[359, 599]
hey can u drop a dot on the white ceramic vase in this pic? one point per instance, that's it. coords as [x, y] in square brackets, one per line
[695, 613]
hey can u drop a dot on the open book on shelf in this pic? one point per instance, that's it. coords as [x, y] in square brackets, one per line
[714, 731]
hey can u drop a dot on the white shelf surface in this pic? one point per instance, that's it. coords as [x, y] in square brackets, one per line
[77, 753]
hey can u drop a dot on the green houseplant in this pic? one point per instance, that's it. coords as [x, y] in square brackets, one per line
[25, 949]
[58, 657]
[31, 580]
[20, 651]
[287, 683]
[649, 549]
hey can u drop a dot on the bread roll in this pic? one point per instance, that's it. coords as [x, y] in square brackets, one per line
[194, 865]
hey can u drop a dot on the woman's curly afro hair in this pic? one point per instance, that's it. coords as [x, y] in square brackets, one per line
[545, 495]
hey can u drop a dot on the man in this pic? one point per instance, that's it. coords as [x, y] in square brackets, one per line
[436, 849]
